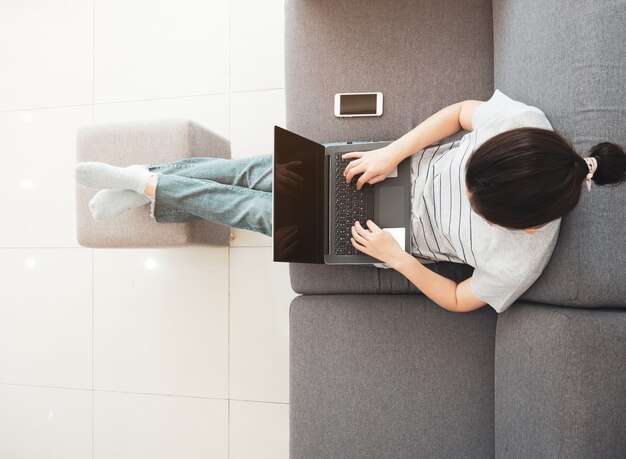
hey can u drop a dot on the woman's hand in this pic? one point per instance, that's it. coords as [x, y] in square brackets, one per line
[375, 165]
[376, 243]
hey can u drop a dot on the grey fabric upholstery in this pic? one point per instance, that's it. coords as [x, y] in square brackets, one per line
[569, 59]
[145, 142]
[342, 279]
[560, 383]
[389, 377]
[423, 55]
[379, 376]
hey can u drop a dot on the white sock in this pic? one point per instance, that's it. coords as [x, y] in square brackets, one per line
[100, 175]
[110, 203]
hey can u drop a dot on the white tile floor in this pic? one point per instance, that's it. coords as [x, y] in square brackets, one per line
[135, 353]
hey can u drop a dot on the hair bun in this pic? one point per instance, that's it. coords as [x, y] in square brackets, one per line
[611, 163]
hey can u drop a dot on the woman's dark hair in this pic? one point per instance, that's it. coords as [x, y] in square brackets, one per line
[529, 176]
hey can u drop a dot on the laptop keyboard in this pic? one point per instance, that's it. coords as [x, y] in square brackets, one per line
[350, 206]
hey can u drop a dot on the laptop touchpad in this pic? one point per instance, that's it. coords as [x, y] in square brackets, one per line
[390, 206]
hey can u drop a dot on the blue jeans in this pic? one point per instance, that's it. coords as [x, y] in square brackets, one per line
[233, 192]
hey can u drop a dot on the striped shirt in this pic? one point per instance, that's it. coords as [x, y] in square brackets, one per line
[446, 228]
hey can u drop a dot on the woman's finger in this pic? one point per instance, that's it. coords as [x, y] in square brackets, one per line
[351, 165]
[372, 226]
[353, 154]
[354, 171]
[364, 233]
[378, 178]
[358, 246]
[360, 239]
[363, 179]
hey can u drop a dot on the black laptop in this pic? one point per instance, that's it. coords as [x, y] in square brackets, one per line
[314, 208]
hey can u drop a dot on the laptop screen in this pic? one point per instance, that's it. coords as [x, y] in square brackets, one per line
[298, 207]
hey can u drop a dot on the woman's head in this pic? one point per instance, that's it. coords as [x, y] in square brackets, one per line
[527, 177]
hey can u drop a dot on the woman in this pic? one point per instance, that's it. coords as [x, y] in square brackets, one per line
[493, 199]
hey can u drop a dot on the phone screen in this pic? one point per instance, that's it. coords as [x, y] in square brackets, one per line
[357, 104]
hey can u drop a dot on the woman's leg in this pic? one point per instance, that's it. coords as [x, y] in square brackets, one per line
[177, 199]
[251, 174]
[254, 172]
[243, 202]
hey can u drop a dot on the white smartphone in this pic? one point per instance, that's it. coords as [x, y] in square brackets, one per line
[358, 104]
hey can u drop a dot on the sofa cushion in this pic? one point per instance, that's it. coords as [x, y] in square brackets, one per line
[345, 279]
[560, 388]
[382, 376]
[569, 59]
[421, 55]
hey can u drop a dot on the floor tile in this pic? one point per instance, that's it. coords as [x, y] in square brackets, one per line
[46, 317]
[259, 430]
[257, 43]
[41, 422]
[160, 320]
[260, 295]
[46, 53]
[40, 152]
[159, 427]
[147, 50]
[209, 111]
[252, 119]
[165, 336]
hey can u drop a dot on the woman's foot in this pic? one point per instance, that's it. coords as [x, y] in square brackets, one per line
[110, 203]
[150, 190]
[101, 175]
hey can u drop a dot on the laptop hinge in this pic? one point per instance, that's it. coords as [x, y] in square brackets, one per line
[326, 228]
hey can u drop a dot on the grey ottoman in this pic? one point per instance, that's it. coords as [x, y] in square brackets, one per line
[145, 142]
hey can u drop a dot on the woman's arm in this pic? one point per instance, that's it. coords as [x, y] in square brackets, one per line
[445, 292]
[375, 165]
[446, 122]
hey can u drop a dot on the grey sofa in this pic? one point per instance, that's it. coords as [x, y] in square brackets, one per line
[377, 369]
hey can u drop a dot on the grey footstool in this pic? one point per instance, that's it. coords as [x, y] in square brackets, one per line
[145, 142]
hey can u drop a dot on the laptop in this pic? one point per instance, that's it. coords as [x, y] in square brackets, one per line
[314, 209]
